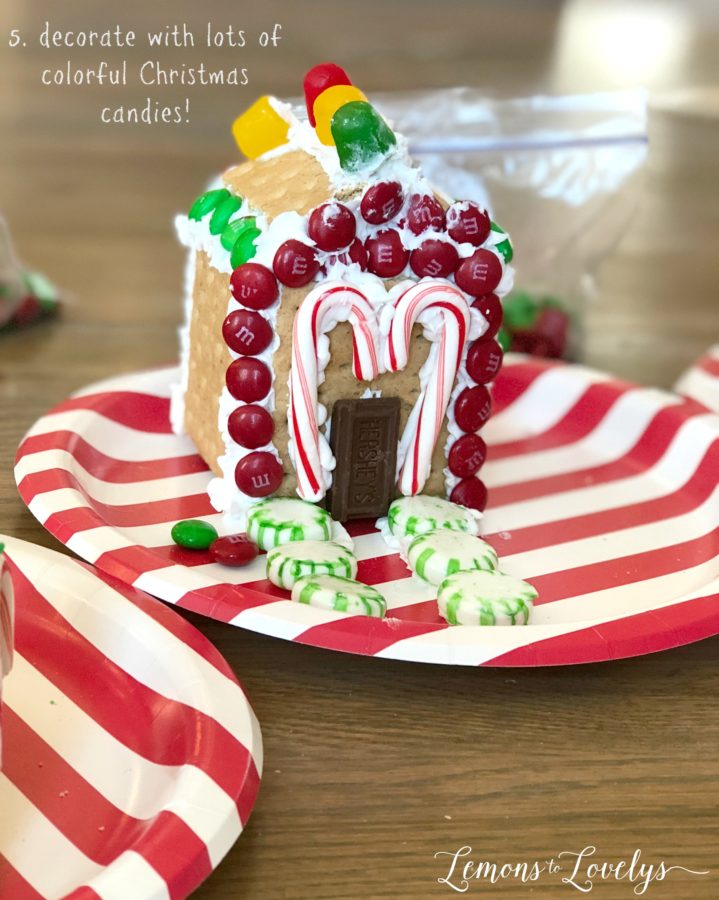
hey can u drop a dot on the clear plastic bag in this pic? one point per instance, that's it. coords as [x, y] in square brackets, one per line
[560, 174]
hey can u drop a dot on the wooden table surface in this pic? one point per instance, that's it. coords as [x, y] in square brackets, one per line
[372, 767]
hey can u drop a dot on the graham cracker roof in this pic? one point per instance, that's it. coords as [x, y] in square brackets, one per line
[293, 181]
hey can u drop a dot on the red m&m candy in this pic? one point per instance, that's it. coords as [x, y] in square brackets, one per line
[473, 408]
[387, 255]
[381, 202]
[491, 308]
[470, 492]
[251, 426]
[467, 223]
[254, 286]
[258, 474]
[234, 550]
[484, 360]
[295, 264]
[248, 379]
[332, 226]
[467, 455]
[480, 273]
[436, 259]
[424, 212]
[246, 332]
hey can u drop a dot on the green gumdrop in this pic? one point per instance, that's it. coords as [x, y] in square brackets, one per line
[360, 135]
[244, 248]
[234, 229]
[207, 202]
[194, 534]
[520, 311]
[227, 207]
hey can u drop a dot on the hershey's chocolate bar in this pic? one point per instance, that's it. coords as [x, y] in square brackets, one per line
[363, 437]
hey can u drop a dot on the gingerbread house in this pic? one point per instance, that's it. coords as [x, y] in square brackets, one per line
[340, 318]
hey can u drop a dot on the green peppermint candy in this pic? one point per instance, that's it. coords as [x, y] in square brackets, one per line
[280, 520]
[340, 594]
[485, 598]
[222, 213]
[206, 202]
[290, 562]
[437, 554]
[244, 248]
[194, 534]
[410, 516]
[234, 229]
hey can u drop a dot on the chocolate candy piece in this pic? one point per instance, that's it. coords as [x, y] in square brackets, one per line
[363, 438]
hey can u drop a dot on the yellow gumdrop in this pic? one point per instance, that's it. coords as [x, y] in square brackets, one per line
[259, 129]
[327, 104]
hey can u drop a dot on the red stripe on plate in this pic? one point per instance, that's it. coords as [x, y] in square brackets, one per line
[709, 365]
[13, 886]
[646, 452]
[151, 724]
[143, 412]
[79, 811]
[359, 634]
[107, 468]
[626, 569]
[514, 380]
[647, 632]
[582, 418]
[683, 500]
[382, 568]
[133, 515]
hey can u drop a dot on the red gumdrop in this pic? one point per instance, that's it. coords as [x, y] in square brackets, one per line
[246, 332]
[491, 308]
[470, 492]
[234, 550]
[480, 273]
[318, 79]
[258, 474]
[254, 286]
[484, 360]
[381, 202]
[332, 226]
[295, 264]
[467, 455]
[473, 408]
[251, 426]
[248, 379]
[434, 258]
[387, 255]
[424, 212]
[467, 223]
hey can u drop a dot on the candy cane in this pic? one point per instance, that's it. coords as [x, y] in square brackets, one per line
[318, 314]
[444, 312]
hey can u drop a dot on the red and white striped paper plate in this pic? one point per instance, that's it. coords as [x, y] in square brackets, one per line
[701, 381]
[131, 755]
[602, 494]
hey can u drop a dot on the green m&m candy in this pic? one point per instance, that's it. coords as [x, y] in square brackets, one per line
[226, 208]
[234, 229]
[206, 202]
[244, 247]
[194, 534]
[360, 134]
